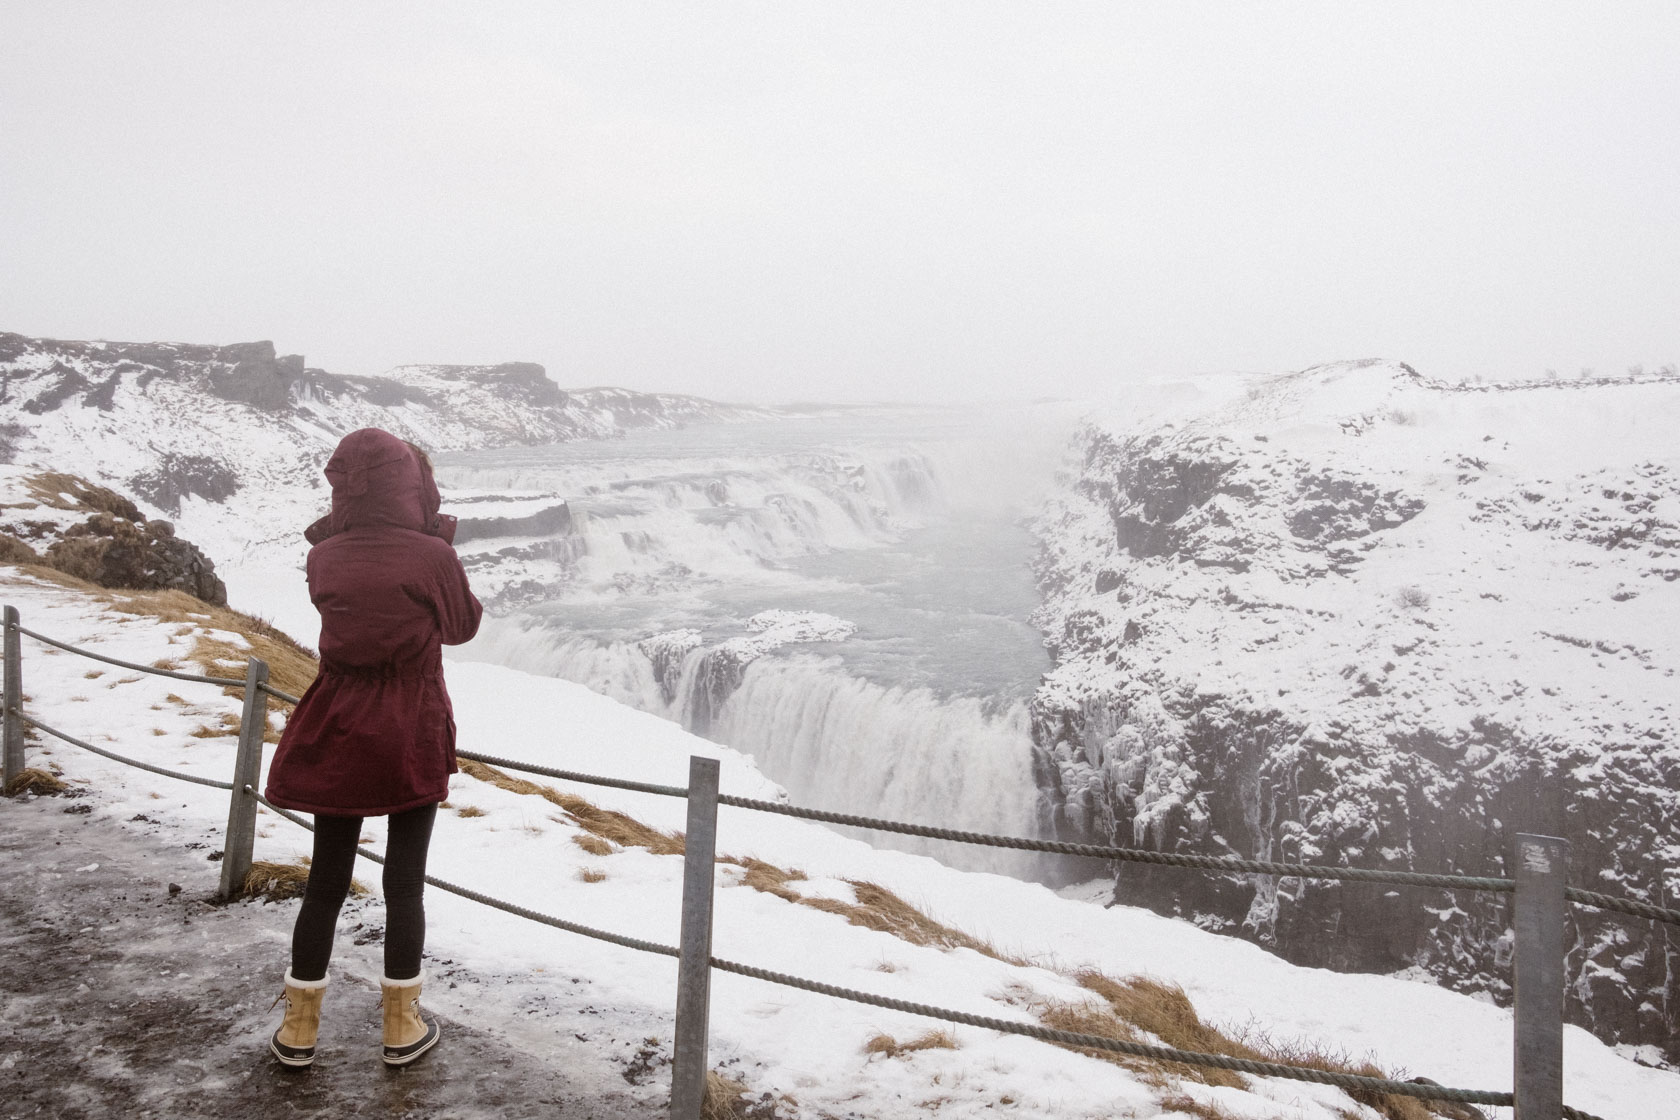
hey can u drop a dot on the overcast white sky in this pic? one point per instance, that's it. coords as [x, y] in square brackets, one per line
[851, 200]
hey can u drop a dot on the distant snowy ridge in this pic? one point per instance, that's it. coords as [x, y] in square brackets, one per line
[230, 440]
[1354, 616]
[443, 407]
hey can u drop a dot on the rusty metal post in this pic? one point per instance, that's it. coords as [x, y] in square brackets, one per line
[1542, 863]
[247, 770]
[694, 968]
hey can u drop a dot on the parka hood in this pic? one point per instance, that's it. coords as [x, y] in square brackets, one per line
[377, 479]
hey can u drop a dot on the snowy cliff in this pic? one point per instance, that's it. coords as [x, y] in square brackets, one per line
[228, 441]
[1355, 616]
[179, 420]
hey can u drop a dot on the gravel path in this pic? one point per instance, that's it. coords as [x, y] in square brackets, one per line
[123, 995]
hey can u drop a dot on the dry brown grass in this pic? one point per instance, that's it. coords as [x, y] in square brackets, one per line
[889, 1047]
[226, 724]
[593, 844]
[1178, 1102]
[591, 874]
[291, 667]
[728, 1099]
[34, 780]
[1297, 1053]
[469, 811]
[767, 877]
[1137, 1006]
[275, 882]
[14, 551]
[626, 832]
[57, 490]
[880, 909]
[876, 907]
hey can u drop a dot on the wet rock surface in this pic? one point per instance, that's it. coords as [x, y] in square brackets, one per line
[127, 993]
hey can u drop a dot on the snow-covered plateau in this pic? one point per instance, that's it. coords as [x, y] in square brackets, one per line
[1354, 616]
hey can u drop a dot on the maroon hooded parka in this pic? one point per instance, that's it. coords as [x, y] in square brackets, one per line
[375, 732]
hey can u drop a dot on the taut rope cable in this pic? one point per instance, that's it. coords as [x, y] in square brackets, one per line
[113, 756]
[1070, 1038]
[495, 903]
[226, 682]
[1097, 851]
[278, 695]
[1353, 1082]
[1135, 1049]
[1623, 905]
[574, 776]
[1133, 855]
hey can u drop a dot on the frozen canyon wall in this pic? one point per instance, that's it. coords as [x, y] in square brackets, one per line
[1357, 617]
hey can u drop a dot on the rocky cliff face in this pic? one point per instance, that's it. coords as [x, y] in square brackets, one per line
[1356, 617]
[96, 534]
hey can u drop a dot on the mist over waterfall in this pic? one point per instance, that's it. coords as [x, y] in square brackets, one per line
[846, 599]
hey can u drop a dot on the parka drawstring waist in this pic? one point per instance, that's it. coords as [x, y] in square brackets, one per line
[391, 671]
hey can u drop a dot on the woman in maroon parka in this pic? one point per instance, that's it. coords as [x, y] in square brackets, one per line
[375, 734]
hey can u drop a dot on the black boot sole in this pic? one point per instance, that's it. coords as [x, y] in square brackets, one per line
[402, 1055]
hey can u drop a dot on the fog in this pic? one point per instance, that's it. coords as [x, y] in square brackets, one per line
[851, 200]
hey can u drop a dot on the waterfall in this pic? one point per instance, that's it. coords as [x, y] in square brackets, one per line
[832, 740]
[836, 742]
[672, 542]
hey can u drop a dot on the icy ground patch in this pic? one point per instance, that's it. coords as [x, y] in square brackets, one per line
[805, 1050]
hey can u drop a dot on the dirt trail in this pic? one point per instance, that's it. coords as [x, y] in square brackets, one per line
[119, 997]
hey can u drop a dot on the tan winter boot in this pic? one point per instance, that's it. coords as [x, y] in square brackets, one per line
[294, 1042]
[407, 1035]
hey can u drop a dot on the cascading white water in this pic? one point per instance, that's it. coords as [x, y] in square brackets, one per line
[837, 742]
[694, 533]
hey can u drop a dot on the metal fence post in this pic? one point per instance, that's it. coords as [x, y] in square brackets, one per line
[247, 768]
[694, 969]
[13, 747]
[1542, 863]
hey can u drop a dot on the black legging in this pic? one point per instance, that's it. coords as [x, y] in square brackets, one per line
[329, 882]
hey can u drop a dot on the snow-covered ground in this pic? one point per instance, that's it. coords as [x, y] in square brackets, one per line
[805, 1049]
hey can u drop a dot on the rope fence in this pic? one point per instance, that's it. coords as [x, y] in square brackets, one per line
[195, 678]
[115, 757]
[490, 901]
[696, 961]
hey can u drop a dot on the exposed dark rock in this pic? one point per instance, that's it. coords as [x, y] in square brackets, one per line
[62, 384]
[10, 433]
[386, 392]
[116, 552]
[525, 382]
[256, 376]
[114, 547]
[1338, 508]
[553, 521]
[103, 395]
[178, 476]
